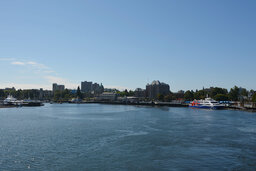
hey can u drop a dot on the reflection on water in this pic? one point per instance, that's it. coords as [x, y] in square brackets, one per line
[117, 137]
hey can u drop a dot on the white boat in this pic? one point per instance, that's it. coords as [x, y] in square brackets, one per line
[208, 103]
[12, 101]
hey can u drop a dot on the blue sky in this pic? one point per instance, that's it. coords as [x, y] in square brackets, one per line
[126, 44]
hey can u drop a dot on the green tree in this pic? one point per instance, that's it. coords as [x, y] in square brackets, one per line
[217, 90]
[221, 97]
[160, 97]
[66, 95]
[254, 97]
[201, 94]
[244, 92]
[125, 93]
[122, 93]
[131, 93]
[234, 93]
[189, 95]
[2, 94]
[169, 97]
[78, 93]
[57, 96]
[18, 94]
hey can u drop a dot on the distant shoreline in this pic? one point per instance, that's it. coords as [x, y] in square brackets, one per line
[160, 104]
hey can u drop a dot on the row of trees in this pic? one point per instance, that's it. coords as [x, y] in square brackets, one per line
[222, 94]
[171, 96]
[217, 93]
[67, 95]
[125, 93]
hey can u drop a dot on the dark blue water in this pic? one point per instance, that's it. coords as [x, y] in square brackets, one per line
[113, 137]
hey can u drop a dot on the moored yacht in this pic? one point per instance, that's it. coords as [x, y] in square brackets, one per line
[208, 103]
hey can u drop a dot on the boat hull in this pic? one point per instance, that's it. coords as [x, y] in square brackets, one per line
[208, 107]
[33, 104]
[23, 104]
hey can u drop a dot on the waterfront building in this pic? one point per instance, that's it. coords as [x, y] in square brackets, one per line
[157, 88]
[56, 87]
[97, 89]
[107, 96]
[90, 87]
[86, 86]
[129, 99]
[113, 90]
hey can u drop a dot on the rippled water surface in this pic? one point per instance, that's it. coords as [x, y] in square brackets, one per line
[116, 137]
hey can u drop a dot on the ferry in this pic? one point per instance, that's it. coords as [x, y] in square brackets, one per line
[208, 103]
[11, 101]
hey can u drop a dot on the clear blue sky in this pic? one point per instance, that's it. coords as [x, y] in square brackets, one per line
[126, 44]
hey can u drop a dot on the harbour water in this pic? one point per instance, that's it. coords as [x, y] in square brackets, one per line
[119, 137]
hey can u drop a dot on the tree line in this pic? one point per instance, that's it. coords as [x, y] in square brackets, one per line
[222, 94]
[217, 93]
